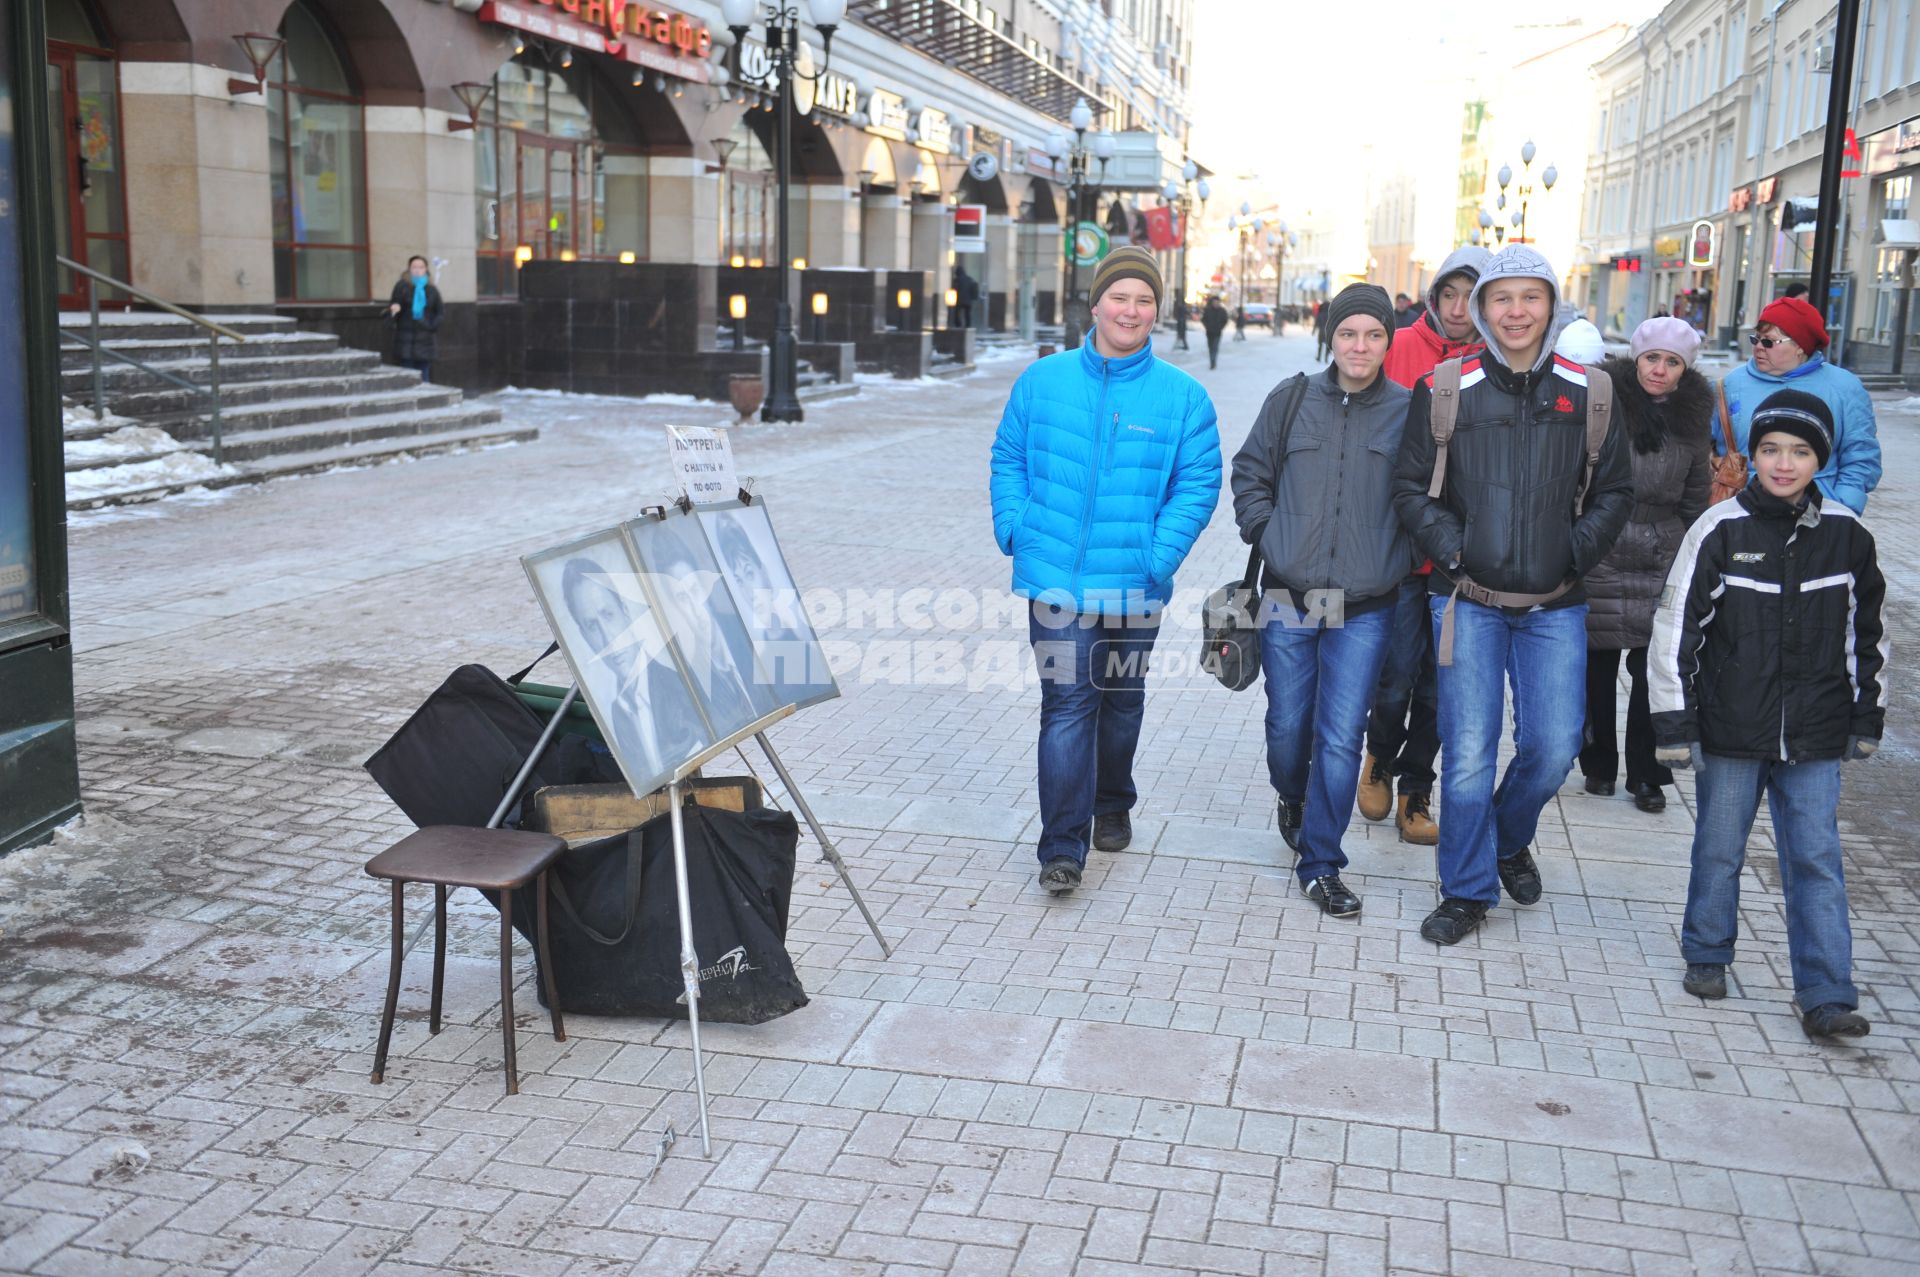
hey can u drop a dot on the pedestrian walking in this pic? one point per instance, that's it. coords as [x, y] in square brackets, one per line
[1240, 322]
[1769, 669]
[1319, 331]
[414, 312]
[1313, 489]
[1405, 313]
[1403, 731]
[1519, 510]
[1106, 467]
[966, 292]
[1214, 320]
[1789, 345]
[1666, 408]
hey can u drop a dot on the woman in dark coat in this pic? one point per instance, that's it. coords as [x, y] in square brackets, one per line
[1666, 408]
[414, 312]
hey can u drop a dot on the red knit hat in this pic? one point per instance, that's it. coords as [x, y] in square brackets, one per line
[1798, 320]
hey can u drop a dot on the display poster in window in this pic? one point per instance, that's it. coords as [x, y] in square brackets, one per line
[16, 527]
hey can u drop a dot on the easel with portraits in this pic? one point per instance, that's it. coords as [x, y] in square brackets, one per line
[686, 637]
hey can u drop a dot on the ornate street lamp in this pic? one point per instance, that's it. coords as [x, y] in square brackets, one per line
[1524, 191]
[1077, 152]
[782, 20]
[1181, 196]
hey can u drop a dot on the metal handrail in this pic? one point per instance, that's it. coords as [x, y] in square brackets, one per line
[214, 333]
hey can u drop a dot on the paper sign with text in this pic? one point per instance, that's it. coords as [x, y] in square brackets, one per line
[703, 463]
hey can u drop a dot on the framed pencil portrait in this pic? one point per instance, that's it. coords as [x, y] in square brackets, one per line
[787, 652]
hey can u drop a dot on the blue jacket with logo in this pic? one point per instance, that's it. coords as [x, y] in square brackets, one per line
[1854, 468]
[1104, 473]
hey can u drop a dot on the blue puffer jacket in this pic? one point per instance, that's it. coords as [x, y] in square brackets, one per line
[1854, 468]
[1104, 473]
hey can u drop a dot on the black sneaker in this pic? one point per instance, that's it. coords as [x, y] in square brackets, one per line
[1290, 816]
[1060, 875]
[1603, 788]
[1706, 979]
[1333, 896]
[1520, 876]
[1834, 1021]
[1112, 831]
[1647, 797]
[1450, 923]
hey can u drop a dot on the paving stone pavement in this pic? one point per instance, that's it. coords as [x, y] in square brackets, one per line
[1182, 1069]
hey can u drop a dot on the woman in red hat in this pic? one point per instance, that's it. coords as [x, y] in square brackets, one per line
[1789, 345]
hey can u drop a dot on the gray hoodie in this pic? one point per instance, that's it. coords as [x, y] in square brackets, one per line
[1518, 261]
[1468, 259]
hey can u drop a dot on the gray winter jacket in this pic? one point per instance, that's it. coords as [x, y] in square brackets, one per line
[1322, 502]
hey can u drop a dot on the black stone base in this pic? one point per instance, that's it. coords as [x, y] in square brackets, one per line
[905, 355]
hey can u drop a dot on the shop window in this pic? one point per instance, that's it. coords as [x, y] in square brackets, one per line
[83, 122]
[316, 134]
[558, 173]
[750, 231]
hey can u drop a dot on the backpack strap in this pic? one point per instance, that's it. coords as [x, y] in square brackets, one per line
[1442, 415]
[1599, 417]
[1296, 395]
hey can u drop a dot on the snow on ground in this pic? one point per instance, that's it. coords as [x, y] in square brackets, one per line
[127, 441]
[178, 467]
[74, 417]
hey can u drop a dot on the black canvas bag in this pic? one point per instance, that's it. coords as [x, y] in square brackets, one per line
[613, 921]
[451, 763]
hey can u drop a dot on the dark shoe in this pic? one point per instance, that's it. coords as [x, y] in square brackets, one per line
[1291, 815]
[1604, 788]
[1112, 831]
[1520, 876]
[1333, 897]
[1450, 923]
[1706, 979]
[1416, 821]
[1060, 875]
[1376, 789]
[1834, 1021]
[1647, 797]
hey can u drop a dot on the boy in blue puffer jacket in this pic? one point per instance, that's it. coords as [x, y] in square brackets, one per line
[1106, 468]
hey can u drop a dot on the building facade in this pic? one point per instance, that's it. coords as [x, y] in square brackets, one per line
[614, 148]
[1709, 125]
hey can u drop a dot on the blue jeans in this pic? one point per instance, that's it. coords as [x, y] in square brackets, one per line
[1319, 686]
[1544, 654]
[1092, 697]
[1403, 731]
[1805, 801]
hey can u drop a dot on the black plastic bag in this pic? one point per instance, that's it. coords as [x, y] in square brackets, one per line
[451, 763]
[613, 923]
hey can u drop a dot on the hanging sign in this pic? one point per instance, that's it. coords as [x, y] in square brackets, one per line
[983, 167]
[1700, 247]
[702, 458]
[1088, 242]
[969, 228]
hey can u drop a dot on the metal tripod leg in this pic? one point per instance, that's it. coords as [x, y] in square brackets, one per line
[827, 849]
[689, 963]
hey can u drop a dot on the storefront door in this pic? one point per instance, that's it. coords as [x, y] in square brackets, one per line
[547, 169]
[89, 210]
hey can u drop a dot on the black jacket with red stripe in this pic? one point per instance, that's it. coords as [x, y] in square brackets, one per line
[1769, 641]
[1506, 514]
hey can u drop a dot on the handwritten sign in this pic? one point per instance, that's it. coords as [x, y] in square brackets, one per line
[702, 459]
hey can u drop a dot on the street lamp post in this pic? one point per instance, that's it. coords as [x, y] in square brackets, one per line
[1278, 241]
[1181, 197]
[782, 20]
[1077, 152]
[1525, 190]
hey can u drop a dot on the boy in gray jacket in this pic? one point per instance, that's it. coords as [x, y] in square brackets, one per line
[1312, 487]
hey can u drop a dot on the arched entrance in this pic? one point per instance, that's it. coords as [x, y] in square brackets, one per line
[559, 173]
[83, 116]
[316, 142]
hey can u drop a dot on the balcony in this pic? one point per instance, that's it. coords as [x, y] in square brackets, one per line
[945, 32]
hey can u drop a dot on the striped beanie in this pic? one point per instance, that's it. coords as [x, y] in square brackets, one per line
[1131, 262]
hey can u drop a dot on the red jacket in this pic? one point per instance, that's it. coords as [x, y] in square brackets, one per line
[1419, 348]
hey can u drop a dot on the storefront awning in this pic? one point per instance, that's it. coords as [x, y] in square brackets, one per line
[946, 33]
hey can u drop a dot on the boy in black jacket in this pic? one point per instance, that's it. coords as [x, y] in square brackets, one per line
[1767, 669]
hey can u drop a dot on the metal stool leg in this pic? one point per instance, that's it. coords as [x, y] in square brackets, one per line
[506, 991]
[393, 979]
[439, 953]
[546, 959]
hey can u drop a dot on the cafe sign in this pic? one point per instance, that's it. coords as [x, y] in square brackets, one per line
[935, 131]
[887, 115]
[657, 39]
[829, 92]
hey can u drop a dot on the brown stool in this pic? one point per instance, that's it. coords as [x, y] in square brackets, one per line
[487, 860]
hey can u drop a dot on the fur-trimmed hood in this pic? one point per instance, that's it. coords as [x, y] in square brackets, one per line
[1685, 415]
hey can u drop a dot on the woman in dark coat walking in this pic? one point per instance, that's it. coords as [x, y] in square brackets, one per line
[1214, 320]
[414, 312]
[1666, 408]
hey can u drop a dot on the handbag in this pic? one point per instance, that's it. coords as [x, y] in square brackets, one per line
[1729, 466]
[1230, 637]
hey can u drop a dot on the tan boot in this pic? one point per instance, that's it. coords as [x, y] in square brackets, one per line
[1416, 821]
[1376, 789]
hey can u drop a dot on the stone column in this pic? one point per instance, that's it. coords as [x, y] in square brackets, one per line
[683, 211]
[884, 231]
[199, 199]
[932, 230]
[419, 199]
[998, 269]
[833, 226]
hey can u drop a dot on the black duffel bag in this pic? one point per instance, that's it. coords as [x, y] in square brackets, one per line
[451, 763]
[613, 922]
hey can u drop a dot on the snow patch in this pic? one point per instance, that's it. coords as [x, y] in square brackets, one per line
[127, 441]
[181, 467]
